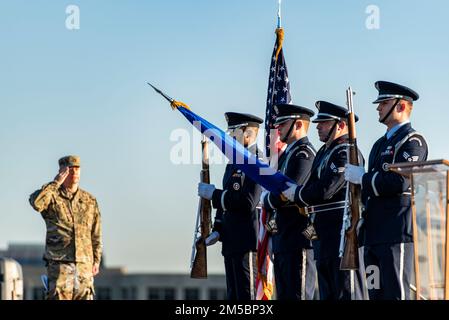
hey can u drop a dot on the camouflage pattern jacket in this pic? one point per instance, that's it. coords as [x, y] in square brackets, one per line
[73, 224]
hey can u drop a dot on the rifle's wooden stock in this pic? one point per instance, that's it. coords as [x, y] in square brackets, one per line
[350, 259]
[199, 267]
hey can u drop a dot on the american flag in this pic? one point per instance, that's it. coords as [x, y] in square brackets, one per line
[278, 91]
[265, 268]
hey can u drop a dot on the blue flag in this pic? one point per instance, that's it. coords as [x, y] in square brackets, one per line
[256, 169]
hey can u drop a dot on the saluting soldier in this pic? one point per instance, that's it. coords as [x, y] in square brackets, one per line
[73, 241]
[388, 235]
[236, 219]
[294, 269]
[324, 197]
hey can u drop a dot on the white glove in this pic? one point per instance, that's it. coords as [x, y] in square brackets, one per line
[291, 191]
[354, 174]
[205, 190]
[212, 238]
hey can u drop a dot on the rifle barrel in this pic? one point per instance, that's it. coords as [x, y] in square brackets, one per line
[350, 259]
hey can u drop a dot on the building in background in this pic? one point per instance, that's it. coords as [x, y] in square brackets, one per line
[116, 283]
[11, 280]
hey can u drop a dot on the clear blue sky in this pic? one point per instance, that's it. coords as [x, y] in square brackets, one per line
[84, 92]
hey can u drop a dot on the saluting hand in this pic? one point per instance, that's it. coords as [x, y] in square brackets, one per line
[62, 175]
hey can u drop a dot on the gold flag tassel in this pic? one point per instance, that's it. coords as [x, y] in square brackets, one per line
[280, 40]
[176, 104]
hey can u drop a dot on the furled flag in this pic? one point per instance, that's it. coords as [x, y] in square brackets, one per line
[278, 92]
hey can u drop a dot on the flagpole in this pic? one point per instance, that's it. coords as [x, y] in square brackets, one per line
[279, 40]
[279, 14]
[264, 282]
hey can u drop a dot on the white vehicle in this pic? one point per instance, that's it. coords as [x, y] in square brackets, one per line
[11, 280]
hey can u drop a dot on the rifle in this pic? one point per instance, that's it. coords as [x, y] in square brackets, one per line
[198, 261]
[199, 252]
[350, 259]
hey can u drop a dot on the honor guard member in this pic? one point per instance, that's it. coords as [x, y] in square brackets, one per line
[73, 242]
[324, 197]
[294, 268]
[236, 219]
[387, 224]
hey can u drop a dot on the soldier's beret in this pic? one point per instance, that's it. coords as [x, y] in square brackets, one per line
[69, 161]
[285, 112]
[389, 90]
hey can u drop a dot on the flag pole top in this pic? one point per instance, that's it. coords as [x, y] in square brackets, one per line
[279, 13]
[173, 103]
[161, 93]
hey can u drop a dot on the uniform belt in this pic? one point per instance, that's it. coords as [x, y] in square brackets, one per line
[326, 207]
[405, 194]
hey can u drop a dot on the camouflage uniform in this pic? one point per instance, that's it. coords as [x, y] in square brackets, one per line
[73, 241]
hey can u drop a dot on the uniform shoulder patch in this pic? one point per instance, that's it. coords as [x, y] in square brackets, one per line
[418, 140]
[336, 169]
[333, 167]
[303, 153]
[409, 157]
